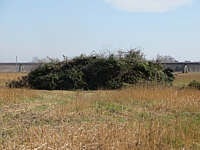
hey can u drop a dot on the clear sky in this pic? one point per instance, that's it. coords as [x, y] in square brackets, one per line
[40, 28]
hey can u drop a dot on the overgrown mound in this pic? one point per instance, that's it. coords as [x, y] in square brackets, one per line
[95, 72]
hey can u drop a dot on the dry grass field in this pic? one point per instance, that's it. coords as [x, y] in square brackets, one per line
[184, 79]
[4, 77]
[140, 118]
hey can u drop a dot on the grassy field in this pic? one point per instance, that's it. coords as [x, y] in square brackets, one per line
[140, 118]
[185, 79]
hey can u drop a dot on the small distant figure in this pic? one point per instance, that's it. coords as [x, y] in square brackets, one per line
[185, 70]
[21, 68]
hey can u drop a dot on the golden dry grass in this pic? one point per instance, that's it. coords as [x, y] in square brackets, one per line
[141, 118]
[185, 79]
[4, 77]
[12, 95]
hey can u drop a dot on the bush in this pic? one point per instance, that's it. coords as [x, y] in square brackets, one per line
[169, 75]
[194, 84]
[94, 72]
[60, 76]
[44, 77]
[100, 73]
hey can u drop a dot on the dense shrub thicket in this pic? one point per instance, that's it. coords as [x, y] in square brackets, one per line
[95, 72]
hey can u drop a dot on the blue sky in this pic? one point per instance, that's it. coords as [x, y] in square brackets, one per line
[40, 28]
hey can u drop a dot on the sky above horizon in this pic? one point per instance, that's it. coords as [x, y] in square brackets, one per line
[41, 28]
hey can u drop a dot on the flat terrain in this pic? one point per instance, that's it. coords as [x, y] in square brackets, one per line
[140, 118]
[185, 79]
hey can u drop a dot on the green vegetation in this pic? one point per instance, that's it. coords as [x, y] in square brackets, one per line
[95, 72]
[194, 84]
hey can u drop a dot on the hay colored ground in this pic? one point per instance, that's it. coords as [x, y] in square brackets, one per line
[132, 118]
[183, 79]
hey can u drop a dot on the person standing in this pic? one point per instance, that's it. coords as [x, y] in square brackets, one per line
[186, 70]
